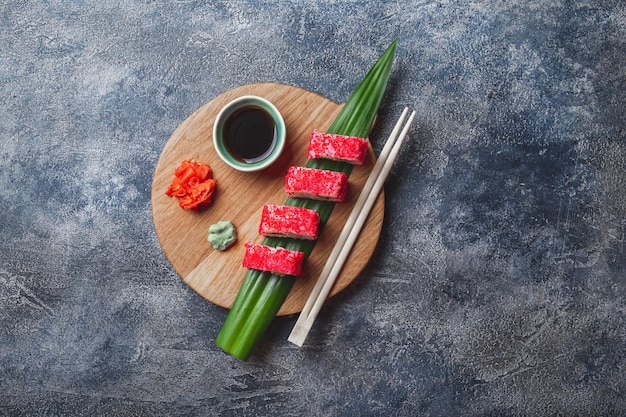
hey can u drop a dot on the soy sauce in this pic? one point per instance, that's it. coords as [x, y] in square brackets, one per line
[250, 134]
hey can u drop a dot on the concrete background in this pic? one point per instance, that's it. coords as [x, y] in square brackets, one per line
[497, 287]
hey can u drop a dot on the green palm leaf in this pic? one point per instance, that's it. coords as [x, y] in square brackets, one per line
[262, 294]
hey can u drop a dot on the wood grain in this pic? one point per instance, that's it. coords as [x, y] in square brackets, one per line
[240, 197]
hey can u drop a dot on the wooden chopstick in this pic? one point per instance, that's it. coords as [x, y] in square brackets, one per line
[332, 258]
[351, 230]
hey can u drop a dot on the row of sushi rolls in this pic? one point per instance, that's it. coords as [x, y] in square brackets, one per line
[299, 222]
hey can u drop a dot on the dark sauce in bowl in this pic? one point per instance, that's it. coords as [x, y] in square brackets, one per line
[250, 134]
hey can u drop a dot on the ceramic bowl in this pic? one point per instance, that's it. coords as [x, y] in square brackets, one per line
[221, 121]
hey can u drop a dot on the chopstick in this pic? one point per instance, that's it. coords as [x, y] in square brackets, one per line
[350, 231]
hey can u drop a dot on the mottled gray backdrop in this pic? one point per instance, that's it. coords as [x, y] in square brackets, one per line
[497, 287]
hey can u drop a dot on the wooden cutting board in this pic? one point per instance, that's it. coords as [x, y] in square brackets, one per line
[217, 275]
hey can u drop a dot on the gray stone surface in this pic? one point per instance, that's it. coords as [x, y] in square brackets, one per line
[497, 287]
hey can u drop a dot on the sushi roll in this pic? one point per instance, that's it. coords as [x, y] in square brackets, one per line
[316, 184]
[277, 260]
[348, 149]
[289, 221]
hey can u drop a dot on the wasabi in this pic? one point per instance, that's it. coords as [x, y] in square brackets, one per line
[222, 235]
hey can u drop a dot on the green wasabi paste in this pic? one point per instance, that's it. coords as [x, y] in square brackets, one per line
[222, 235]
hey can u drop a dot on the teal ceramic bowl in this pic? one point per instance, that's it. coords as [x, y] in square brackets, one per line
[249, 133]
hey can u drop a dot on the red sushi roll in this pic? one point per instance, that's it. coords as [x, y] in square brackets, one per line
[289, 221]
[348, 149]
[316, 184]
[277, 260]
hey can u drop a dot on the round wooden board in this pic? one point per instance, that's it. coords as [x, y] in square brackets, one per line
[240, 196]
